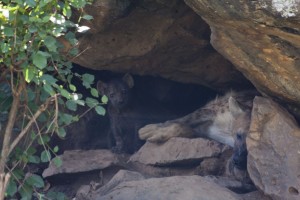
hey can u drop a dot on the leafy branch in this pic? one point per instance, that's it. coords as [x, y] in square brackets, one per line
[36, 76]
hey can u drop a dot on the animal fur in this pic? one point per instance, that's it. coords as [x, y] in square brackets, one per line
[225, 119]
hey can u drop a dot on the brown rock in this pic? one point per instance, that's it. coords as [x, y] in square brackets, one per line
[211, 166]
[161, 38]
[261, 38]
[177, 151]
[274, 150]
[84, 193]
[104, 12]
[82, 161]
[170, 188]
[121, 176]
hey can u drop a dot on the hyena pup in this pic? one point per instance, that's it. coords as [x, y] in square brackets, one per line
[127, 114]
[225, 119]
[119, 93]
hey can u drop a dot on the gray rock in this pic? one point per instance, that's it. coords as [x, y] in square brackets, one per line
[121, 176]
[86, 192]
[274, 150]
[256, 195]
[164, 38]
[104, 12]
[171, 188]
[177, 151]
[261, 38]
[82, 161]
[232, 184]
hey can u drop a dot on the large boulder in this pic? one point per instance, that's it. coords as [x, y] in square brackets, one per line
[175, 188]
[160, 38]
[274, 150]
[86, 192]
[261, 38]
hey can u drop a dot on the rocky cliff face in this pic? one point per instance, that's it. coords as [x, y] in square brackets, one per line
[261, 38]
[167, 38]
[160, 38]
[221, 45]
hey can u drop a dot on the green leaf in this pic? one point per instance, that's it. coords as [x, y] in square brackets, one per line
[87, 80]
[100, 110]
[34, 159]
[29, 73]
[24, 159]
[44, 139]
[45, 156]
[31, 151]
[72, 87]
[49, 89]
[26, 192]
[78, 3]
[91, 102]
[71, 105]
[4, 47]
[80, 102]
[94, 92]
[55, 149]
[35, 180]
[43, 3]
[65, 93]
[104, 99]
[31, 3]
[48, 79]
[8, 32]
[67, 11]
[42, 118]
[32, 29]
[61, 132]
[39, 60]
[18, 174]
[70, 36]
[73, 52]
[66, 118]
[33, 135]
[57, 161]
[87, 17]
[11, 188]
[50, 43]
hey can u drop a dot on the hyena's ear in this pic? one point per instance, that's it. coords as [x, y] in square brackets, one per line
[101, 87]
[127, 78]
[235, 108]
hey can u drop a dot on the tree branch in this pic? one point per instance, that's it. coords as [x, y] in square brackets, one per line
[9, 127]
[42, 108]
[4, 178]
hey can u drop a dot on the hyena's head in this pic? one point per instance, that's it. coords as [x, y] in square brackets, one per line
[240, 127]
[117, 91]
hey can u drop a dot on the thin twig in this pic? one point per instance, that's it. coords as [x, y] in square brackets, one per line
[54, 121]
[87, 48]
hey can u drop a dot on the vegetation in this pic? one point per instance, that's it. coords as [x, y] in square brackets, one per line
[37, 89]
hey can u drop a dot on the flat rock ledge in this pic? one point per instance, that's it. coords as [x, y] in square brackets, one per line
[81, 161]
[177, 151]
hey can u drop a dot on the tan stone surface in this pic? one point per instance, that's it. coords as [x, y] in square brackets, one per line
[274, 150]
[260, 40]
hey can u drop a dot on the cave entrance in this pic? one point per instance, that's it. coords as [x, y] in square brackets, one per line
[172, 100]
